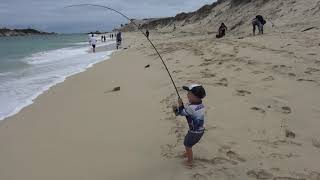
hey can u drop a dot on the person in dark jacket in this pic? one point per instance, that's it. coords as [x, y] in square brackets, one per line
[259, 22]
[119, 39]
[222, 31]
[147, 33]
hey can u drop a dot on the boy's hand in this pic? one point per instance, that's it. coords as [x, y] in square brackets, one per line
[180, 102]
[174, 108]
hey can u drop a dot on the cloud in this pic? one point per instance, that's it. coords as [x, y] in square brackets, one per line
[51, 15]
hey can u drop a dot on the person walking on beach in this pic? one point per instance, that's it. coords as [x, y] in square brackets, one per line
[147, 33]
[111, 36]
[93, 42]
[119, 39]
[194, 112]
[222, 31]
[259, 22]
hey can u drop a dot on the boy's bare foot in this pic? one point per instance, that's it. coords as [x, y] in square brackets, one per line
[189, 164]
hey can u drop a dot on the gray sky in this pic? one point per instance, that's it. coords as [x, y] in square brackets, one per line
[50, 15]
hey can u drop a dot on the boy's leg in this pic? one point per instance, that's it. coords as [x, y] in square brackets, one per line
[189, 155]
[254, 28]
[260, 27]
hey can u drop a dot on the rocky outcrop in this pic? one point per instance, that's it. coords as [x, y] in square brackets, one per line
[21, 32]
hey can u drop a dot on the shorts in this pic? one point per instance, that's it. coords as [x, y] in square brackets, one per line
[93, 45]
[192, 138]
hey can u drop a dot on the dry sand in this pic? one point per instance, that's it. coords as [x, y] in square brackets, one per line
[262, 119]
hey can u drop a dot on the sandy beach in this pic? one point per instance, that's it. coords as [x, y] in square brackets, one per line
[262, 114]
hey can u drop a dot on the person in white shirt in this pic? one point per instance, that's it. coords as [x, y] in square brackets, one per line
[93, 42]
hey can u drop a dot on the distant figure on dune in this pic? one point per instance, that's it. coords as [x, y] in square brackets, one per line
[111, 36]
[222, 31]
[259, 22]
[119, 39]
[147, 33]
[93, 42]
[101, 38]
[104, 39]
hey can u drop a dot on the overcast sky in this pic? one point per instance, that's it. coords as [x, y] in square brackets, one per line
[50, 15]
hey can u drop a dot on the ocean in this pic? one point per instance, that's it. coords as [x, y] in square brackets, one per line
[30, 65]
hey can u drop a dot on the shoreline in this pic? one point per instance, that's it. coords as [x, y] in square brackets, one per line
[30, 101]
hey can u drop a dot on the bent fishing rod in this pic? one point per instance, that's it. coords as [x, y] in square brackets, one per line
[131, 20]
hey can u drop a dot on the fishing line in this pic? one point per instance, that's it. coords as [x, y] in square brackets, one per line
[131, 20]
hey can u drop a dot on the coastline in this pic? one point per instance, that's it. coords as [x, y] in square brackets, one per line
[100, 49]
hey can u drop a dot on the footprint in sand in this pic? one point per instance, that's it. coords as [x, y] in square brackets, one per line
[205, 64]
[208, 75]
[258, 109]
[257, 72]
[277, 143]
[222, 82]
[281, 66]
[286, 110]
[316, 143]
[243, 93]
[176, 71]
[230, 66]
[282, 156]
[167, 151]
[234, 156]
[217, 161]
[252, 62]
[290, 134]
[208, 59]
[269, 78]
[311, 70]
[238, 69]
[236, 49]
[292, 74]
[287, 178]
[259, 174]
[307, 80]
[198, 176]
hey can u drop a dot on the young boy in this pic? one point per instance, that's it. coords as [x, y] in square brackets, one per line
[194, 113]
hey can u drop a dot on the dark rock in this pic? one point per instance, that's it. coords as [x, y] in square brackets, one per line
[116, 89]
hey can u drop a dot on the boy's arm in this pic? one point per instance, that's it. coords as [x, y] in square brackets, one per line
[180, 110]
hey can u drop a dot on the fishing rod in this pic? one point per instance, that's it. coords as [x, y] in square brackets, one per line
[131, 20]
